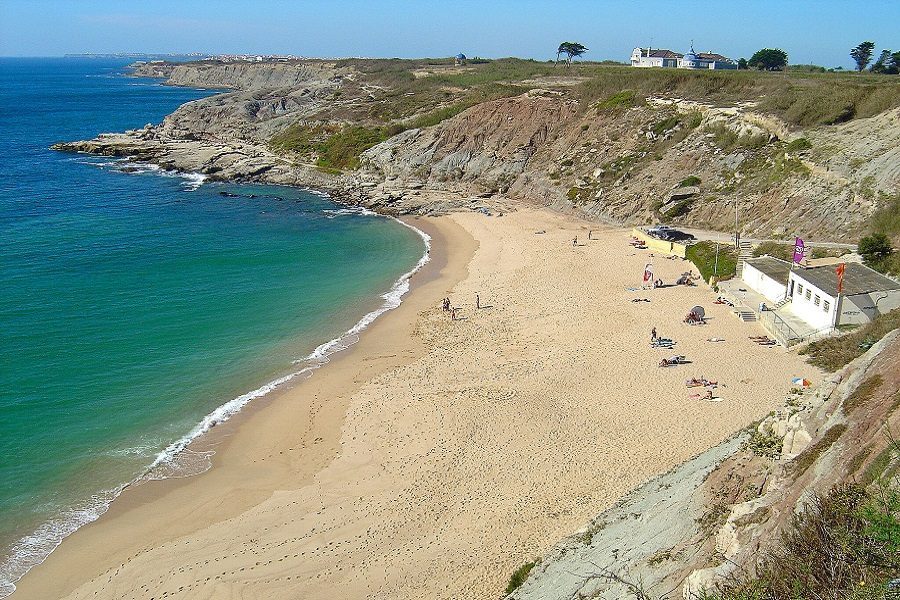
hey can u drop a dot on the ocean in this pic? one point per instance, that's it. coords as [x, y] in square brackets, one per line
[138, 306]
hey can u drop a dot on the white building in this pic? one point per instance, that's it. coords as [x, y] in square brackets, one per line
[705, 60]
[659, 57]
[767, 276]
[812, 291]
[865, 295]
[647, 57]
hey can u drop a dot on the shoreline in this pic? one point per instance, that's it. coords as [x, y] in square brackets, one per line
[145, 492]
[436, 457]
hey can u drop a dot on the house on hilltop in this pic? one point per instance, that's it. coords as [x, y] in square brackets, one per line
[647, 57]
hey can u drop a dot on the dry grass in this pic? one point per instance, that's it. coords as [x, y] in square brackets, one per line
[833, 353]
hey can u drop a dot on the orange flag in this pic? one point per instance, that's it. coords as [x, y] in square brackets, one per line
[840, 274]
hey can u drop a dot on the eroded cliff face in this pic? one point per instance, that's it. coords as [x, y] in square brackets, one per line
[684, 162]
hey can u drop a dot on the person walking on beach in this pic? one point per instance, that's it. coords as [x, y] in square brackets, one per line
[575, 241]
[477, 301]
[590, 234]
[653, 334]
[453, 313]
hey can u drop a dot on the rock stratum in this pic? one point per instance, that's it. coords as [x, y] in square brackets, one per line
[637, 159]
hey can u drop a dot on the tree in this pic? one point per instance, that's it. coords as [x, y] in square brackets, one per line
[571, 50]
[888, 63]
[862, 54]
[874, 248]
[769, 59]
[742, 64]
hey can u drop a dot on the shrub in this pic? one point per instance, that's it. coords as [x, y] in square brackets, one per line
[833, 353]
[844, 544]
[874, 247]
[776, 249]
[689, 181]
[764, 444]
[619, 101]
[798, 145]
[703, 255]
[519, 576]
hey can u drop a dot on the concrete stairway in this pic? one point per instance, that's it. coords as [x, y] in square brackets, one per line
[781, 303]
[745, 252]
[745, 314]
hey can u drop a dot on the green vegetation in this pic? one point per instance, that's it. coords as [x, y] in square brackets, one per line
[332, 149]
[768, 59]
[833, 353]
[519, 576]
[798, 145]
[571, 50]
[690, 181]
[681, 208]
[862, 55]
[660, 127]
[764, 444]
[845, 544]
[776, 249]
[728, 140]
[703, 255]
[877, 252]
[619, 101]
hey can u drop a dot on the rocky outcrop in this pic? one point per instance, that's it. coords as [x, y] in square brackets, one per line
[242, 75]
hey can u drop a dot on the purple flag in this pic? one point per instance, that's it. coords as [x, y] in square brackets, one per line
[798, 251]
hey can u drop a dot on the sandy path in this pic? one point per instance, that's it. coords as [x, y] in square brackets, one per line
[510, 430]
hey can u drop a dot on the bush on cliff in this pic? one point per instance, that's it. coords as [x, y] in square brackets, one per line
[845, 544]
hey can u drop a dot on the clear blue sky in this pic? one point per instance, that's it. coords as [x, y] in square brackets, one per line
[819, 32]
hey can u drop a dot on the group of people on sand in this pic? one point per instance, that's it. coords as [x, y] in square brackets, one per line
[446, 306]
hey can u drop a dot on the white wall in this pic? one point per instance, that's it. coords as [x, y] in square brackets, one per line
[862, 308]
[763, 284]
[804, 303]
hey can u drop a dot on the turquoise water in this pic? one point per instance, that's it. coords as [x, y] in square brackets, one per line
[134, 304]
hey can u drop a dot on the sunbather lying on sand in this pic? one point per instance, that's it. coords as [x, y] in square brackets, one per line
[672, 361]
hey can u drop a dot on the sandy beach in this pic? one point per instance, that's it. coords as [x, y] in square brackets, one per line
[436, 456]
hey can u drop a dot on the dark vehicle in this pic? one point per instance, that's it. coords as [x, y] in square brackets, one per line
[667, 234]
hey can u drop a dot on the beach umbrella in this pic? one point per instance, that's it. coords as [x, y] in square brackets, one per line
[801, 382]
[698, 310]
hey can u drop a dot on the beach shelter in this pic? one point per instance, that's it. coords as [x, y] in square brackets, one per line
[698, 310]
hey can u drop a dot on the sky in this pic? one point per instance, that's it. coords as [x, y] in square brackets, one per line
[820, 32]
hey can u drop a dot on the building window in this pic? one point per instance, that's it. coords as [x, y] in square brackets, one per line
[799, 289]
[817, 300]
[826, 306]
[808, 294]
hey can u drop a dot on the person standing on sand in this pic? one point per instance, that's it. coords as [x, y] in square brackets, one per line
[477, 301]
[575, 241]
[590, 234]
[653, 334]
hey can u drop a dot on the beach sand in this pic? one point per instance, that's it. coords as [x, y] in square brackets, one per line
[436, 456]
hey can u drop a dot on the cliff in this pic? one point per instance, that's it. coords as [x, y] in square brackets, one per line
[425, 136]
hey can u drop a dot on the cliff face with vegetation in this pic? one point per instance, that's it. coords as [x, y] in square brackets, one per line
[810, 154]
